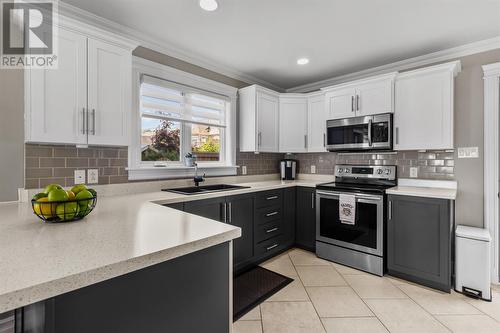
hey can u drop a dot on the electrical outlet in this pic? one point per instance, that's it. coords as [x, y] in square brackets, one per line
[313, 169]
[79, 177]
[413, 172]
[468, 152]
[93, 176]
[244, 170]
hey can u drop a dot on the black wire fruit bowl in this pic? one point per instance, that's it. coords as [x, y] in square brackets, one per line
[63, 211]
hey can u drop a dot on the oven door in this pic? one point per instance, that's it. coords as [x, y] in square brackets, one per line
[360, 133]
[366, 235]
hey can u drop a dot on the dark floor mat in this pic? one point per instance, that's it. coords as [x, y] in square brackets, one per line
[254, 287]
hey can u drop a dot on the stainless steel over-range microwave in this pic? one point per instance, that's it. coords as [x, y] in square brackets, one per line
[360, 133]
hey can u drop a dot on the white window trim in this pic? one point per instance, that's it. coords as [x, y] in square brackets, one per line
[137, 171]
[491, 162]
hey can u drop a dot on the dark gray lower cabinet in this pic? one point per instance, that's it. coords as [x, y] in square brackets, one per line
[305, 230]
[240, 214]
[236, 210]
[419, 240]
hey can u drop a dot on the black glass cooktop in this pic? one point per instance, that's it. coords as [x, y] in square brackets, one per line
[355, 187]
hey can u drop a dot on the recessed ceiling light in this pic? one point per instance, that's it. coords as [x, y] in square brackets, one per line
[302, 61]
[209, 5]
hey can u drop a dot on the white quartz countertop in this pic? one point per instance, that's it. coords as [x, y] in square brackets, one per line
[123, 234]
[426, 188]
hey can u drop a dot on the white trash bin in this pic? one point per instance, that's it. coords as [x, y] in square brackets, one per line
[472, 262]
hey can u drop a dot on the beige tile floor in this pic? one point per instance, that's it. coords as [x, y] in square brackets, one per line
[327, 297]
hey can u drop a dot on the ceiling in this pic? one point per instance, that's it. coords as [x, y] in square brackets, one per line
[264, 38]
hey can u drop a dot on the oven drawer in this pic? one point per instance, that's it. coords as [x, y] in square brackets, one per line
[268, 230]
[268, 214]
[269, 198]
[270, 245]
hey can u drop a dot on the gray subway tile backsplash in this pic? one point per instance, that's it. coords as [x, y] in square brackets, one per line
[44, 163]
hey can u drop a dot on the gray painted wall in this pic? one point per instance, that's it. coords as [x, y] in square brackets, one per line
[11, 133]
[469, 124]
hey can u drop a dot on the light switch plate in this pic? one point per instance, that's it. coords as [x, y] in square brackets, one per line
[414, 172]
[79, 176]
[468, 152]
[313, 169]
[93, 176]
[244, 170]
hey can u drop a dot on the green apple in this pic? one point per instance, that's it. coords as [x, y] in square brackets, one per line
[85, 194]
[58, 195]
[67, 210]
[52, 187]
[38, 196]
[78, 188]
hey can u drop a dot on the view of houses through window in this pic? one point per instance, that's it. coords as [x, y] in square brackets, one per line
[176, 122]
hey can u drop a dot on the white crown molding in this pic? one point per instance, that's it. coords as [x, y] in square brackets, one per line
[159, 46]
[491, 70]
[424, 60]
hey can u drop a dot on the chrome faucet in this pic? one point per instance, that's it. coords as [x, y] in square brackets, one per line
[198, 179]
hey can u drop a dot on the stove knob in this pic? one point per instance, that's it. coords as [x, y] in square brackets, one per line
[387, 171]
[347, 171]
[340, 170]
[379, 171]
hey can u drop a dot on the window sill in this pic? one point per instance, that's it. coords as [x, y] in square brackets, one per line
[172, 172]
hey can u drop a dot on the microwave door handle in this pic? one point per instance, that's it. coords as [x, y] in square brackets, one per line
[370, 141]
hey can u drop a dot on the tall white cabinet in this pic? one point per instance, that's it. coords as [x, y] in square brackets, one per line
[259, 119]
[316, 123]
[293, 124]
[86, 100]
[423, 118]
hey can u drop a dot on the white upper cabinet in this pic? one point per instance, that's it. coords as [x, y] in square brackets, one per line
[293, 128]
[423, 117]
[57, 98]
[340, 103]
[361, 98]
[86, 100]
[259, 119]
[317, 117]
[109, 82]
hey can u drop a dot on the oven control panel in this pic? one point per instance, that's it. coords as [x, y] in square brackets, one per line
[366, 171]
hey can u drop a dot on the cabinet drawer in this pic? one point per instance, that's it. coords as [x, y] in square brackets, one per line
[270, 245]
[268, 230]
[268, 214]
[269, 198]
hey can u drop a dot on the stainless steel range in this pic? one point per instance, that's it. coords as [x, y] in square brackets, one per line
[358, 243]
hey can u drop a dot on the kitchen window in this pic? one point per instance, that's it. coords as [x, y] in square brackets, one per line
[176, 119]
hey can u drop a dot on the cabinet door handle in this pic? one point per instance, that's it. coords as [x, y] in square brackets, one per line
[390, 210]
[271, 247]
[272, 230]
[93, 121]
[352, 103]
[230, 209]
[272, 198]
[84, 124]
[312, 200]
[259, 139]
[224, 212]
[357, 102]
[397, 135]
[271, 214]
[305, 141]
[324, 140]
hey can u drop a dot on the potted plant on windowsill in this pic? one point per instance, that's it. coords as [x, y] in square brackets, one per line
[189, 160]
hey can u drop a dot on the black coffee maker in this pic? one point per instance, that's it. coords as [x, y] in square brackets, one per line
[288, 169]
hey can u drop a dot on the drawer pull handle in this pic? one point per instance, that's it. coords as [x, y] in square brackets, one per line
[272, 214]
[272, 198]
[272, 230]
[271, 247]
